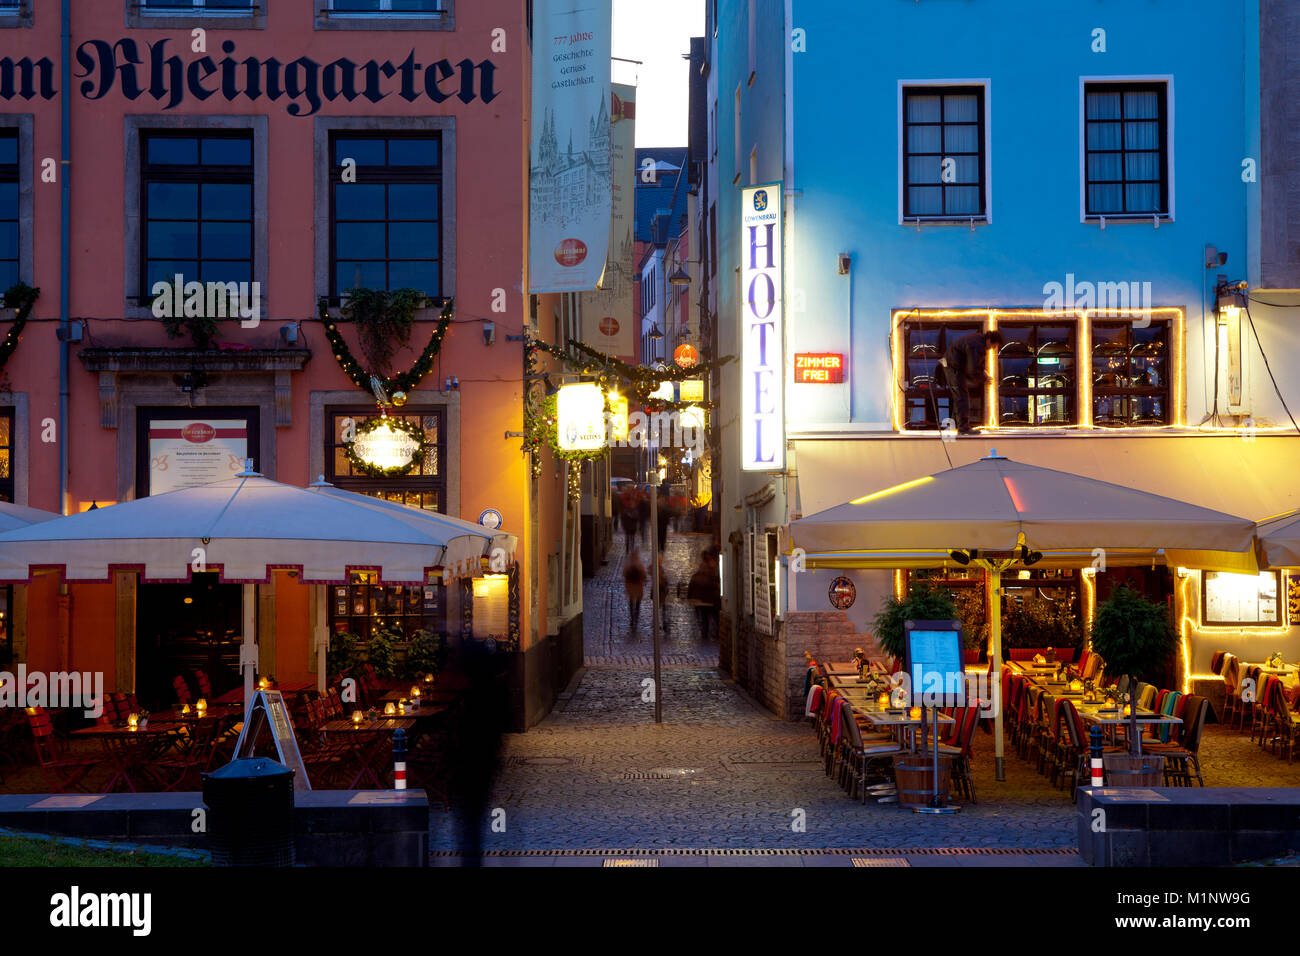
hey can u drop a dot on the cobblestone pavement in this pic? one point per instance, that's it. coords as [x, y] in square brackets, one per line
[722, 772]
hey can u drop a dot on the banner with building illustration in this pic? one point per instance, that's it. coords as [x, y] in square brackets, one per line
[608, 323]
[569, 179]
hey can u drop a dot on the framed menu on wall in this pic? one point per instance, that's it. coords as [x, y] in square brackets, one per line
[184, 448]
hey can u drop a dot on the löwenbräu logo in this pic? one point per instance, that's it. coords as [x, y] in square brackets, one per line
[306, 83]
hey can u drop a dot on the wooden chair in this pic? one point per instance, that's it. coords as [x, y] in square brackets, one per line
[966, 719]
[1182, 756]
[858, 755]
[1231, 676]
[61, 770]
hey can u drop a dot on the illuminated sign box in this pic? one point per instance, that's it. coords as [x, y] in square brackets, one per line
[818, 368]
[762, 425]
[692, 389]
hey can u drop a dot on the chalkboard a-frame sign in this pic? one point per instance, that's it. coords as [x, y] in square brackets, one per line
[933, 663]
[269, 709]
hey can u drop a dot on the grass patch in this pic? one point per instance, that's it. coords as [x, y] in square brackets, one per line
[20, 851]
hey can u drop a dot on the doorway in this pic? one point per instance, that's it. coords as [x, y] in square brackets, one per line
[182, 629]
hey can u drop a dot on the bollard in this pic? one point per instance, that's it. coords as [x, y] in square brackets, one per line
[399, 759]
[1094, 735]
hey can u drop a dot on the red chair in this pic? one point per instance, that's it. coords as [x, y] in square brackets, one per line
[182, 689]
[965, 721]
[205, 684]
[61, 770]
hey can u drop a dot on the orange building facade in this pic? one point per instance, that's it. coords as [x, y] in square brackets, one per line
[277, 153]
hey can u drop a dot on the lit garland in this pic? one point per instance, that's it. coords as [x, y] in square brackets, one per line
[637, 381]
[397, 424]
[21, 298]
[404, 382]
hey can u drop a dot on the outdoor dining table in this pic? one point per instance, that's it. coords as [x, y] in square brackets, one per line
[236, 694]
[129, 751]
[372, 744]
[896, 720]
[1110, 719]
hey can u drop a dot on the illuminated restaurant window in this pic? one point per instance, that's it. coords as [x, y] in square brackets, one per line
[364, 607]
[1239, 600]
[196, 207]
[943, 152]
[927, 404]
[386, 225]
[1130, 374]
[1036, 374]
[6, 454]
[9, 214]
[424, 486]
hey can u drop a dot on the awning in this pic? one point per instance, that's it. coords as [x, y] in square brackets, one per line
[1255, 479]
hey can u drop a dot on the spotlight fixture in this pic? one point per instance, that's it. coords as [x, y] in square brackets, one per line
[846, 260]
[962, 557]
[1029, 558]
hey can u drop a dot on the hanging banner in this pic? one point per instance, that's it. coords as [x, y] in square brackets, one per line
[569, 181]
[763, 328]
[607, 314]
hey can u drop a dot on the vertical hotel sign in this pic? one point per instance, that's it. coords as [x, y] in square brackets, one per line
[569, 176]
[763, 328]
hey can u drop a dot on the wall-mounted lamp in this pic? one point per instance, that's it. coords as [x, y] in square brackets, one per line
[680, 277]
[655, 334]
[489, 333]
[846, 260]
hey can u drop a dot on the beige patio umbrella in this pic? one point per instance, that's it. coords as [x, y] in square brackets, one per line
[1279, 540]
[996, 513]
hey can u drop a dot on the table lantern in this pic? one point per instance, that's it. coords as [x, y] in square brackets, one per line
[133, 721]
[402, 705]
[357, 717]
[262, 684]
[915, 713]
[1076, 684]
[390, 709]
[883, 701]
[415, 691]
[185, 709]
[201, 706]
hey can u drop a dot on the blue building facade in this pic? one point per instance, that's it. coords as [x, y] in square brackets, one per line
[1068, 175]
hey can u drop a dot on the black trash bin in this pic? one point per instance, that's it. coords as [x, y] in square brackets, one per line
[250, 813]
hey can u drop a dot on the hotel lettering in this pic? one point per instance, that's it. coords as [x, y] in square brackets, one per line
[763, 349]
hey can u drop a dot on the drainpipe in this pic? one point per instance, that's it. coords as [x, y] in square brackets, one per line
[65, 249]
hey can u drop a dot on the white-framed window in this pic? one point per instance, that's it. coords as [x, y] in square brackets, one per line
[944, 172]
[205, 7]
[1126, 149]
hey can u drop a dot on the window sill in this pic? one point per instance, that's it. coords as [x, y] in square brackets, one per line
[1154, 220]
[15, 18]
[916, 222]
[384, 20]
[142, 18]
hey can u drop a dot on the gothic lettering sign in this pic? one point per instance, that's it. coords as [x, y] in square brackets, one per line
[151, 71]
[763, 328]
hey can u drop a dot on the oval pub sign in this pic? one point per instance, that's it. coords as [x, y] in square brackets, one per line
[842, 593]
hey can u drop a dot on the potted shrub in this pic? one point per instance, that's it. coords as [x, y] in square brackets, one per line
[343, 654]
[381, 655]
[424, 655]
[924, 602]
[1034, 621]
[1135, 637]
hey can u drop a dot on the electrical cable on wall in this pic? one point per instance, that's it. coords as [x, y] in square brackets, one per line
[1269, 368]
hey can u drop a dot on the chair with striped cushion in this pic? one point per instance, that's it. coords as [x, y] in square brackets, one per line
[1231, 675]
[1216, 662]
[1182, 757]
[1247, 698]
[1167, 709]
[1093, 668]
[1260, 715]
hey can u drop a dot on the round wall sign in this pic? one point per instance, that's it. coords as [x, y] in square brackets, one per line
[842, 593]
[490, 518]
[686, 355]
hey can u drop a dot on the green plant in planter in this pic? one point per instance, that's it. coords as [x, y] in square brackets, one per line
[1134, 636]
[924, 603]
[1033, 621]
[424, 654]
[970, 610]
[202, 328]
[380, 654]
[384, 320]
[344, 654]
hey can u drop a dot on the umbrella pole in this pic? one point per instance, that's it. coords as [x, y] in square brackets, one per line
[318, 597]
[248, 656]
[995, 654]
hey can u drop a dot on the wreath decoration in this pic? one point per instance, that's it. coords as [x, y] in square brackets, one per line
[397, 424]
[21, 298]
[402, 382]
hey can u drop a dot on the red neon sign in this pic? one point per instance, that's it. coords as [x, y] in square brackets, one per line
[818, 368]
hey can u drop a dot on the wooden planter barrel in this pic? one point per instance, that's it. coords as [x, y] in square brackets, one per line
[913, 777]
[1125, 770]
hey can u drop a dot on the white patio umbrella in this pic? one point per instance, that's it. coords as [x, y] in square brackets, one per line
[20, 516]
[244, 528]
[995, 512]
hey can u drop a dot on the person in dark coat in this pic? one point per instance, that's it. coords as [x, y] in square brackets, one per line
[704, 592]
[963, 366]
